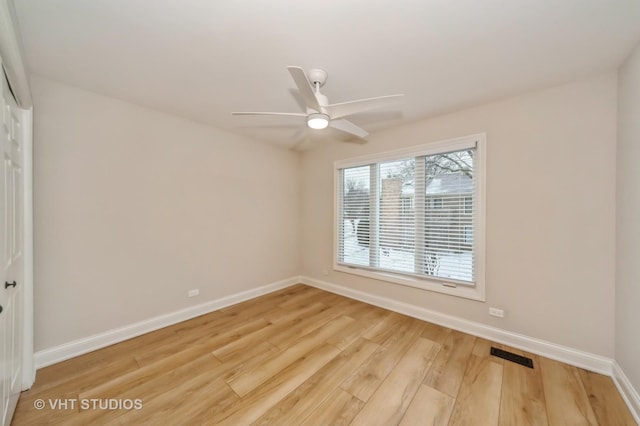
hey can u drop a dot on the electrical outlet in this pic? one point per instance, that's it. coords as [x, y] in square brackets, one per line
[193, 293]
[496, 312]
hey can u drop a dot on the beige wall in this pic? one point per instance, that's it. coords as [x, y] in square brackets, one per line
[550, 212]
[134, 207]
[628, 220]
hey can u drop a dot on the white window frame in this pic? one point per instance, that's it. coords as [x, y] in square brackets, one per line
[474, 292]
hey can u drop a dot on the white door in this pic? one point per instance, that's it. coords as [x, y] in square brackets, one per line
[11, 250]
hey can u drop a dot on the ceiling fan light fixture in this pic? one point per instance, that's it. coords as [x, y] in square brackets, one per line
[318, 121]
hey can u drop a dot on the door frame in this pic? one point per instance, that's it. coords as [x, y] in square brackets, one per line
[28, 363]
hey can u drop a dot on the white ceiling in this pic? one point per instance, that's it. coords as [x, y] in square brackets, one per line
[202, 59]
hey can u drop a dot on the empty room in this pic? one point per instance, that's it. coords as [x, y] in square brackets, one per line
[337, 213]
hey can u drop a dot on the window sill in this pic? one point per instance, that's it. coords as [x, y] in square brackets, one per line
[467, 292]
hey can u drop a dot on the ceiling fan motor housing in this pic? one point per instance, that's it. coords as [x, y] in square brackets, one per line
[317, 76]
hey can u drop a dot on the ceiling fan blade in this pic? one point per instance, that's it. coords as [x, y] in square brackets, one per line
[348, 127]
[353, 107]
[294, 114]
[305, 88]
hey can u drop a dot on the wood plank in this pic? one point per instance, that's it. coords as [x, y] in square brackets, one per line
[250, 359]
[522, 400]
[196, 324]
[165, 384]
[390, 401]
[429, 407]
[385, 327]
[255, 308]
[250, 309]
[225, 326]
[566, 400]
[143, 375]
[159, 386]
[190, 403]
[435, 333]
[261, 399]
[337, 410]
[366, 379]
[248, 381]
[168, 382]
[309, 295]
[482, 349]
[160, 350]
[366, 318]
[306, 326]
[279, 315]
[232, 348]
[448, 369]
[479, 395]
[108, 388]
[156, 379]
[608, 406]
[296, 406]
[271, 299]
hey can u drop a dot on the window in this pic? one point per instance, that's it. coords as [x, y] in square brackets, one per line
[415, 217]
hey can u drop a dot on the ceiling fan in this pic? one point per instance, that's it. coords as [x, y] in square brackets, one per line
[320, 113]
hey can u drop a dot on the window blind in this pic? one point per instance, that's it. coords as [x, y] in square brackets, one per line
[413, 216]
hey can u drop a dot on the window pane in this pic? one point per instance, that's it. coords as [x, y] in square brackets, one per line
[354, 244]
[397, 219]
[449, 215]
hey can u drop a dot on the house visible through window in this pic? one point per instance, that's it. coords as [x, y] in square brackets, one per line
[413, 215]
[468, 205]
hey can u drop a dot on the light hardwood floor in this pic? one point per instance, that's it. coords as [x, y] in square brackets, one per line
[305, 356]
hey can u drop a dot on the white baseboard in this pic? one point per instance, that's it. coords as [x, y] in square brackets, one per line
[561, 353]
[68, 350]
[628, 392]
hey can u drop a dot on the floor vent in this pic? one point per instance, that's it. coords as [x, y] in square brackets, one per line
[509, 356]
